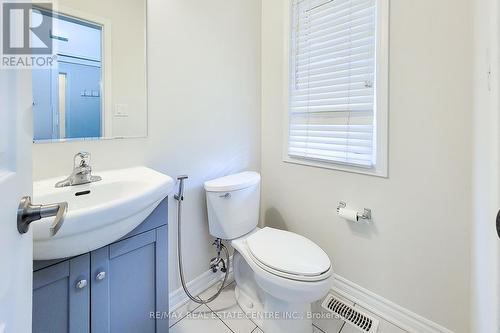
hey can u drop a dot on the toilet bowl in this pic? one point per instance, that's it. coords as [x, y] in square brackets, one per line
[278, 273]
[276, 299]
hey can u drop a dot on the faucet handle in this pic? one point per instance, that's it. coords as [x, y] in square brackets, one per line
[84, 159]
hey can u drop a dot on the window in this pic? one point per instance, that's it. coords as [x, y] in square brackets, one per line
[337, 112]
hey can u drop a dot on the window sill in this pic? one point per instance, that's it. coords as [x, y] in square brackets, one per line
[376, 172]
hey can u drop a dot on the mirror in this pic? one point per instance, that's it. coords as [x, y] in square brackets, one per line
[96, 87]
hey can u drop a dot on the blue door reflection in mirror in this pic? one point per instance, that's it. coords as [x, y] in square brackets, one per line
[68, 97]
[82, 109]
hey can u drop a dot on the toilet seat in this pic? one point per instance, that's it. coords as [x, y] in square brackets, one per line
[288, 255]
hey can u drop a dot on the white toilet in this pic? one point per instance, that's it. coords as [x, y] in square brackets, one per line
[278, 273]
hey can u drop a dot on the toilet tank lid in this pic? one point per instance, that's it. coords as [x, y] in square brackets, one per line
[234, 182]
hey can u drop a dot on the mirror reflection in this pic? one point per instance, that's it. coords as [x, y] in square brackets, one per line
[96, 88]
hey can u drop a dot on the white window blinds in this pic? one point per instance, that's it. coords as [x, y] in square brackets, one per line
[332, 82]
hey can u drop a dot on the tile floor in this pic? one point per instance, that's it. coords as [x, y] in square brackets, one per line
[214, 318]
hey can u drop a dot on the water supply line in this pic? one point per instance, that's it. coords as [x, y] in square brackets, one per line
[215, 263]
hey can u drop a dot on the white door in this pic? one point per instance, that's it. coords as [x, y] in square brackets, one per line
[16, 252]
[485, 314]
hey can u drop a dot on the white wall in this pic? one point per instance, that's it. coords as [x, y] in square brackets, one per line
[417, 252]
[204, 111]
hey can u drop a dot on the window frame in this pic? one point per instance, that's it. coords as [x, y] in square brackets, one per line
[381, 119]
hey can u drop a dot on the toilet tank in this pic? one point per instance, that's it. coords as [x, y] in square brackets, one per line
[233, 204]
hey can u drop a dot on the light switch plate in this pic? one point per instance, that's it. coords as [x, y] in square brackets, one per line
[121, 110]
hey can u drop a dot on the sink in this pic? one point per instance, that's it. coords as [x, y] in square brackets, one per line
[98, 213]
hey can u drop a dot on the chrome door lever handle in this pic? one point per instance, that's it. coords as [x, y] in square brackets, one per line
[28, 213]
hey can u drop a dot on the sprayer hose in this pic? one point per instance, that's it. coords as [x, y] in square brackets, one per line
[181, 270]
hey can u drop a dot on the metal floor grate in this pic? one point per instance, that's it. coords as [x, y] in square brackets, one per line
[351, 315]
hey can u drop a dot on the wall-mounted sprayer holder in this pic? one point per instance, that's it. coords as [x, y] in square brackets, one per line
[353, 215]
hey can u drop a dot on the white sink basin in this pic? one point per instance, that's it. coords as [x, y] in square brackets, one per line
[115, 206]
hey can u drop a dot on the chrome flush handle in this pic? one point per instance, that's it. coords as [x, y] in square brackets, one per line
[28, 213]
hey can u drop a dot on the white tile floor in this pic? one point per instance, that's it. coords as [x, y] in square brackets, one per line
[225, 316]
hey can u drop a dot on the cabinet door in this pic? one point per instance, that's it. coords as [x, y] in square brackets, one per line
[129, 284]
[61, 297]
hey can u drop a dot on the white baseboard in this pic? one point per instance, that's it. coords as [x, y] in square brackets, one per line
[178, 297]
[385, 309]
[376, 304]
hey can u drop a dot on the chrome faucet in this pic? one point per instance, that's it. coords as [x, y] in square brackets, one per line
[82, 172]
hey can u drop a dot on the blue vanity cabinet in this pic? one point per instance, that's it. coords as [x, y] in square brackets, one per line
[130, 284]
[61, 297]
[125, 285]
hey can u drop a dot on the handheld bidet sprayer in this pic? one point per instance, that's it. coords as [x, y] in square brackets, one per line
[215, 263]
[180, 195]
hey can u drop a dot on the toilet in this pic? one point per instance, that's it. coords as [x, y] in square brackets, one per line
[278, 273]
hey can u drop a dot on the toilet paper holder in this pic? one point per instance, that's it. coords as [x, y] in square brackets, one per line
[366, 215]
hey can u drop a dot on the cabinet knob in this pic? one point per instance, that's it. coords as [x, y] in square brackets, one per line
[100, 276]
[81, 284]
